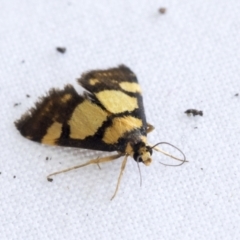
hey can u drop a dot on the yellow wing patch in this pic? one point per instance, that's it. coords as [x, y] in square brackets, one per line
[93, 81]
[86, 119]
[130, 87]
[120, 126]
[66, 98]
[53, 133]
[116, 101]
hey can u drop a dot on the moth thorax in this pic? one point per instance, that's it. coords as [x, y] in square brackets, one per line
[142, 153]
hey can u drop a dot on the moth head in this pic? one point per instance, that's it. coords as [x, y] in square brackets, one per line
[142, 153]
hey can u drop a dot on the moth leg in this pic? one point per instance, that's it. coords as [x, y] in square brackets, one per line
[120, 175]
[150, 128]
[93, 161]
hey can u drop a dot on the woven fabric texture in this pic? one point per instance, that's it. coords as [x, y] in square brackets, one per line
[187, 57]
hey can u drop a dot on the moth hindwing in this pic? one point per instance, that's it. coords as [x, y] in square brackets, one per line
[109, 116]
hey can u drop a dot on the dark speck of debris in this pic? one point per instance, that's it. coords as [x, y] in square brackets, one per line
[50, 179]
[162, 10]
[194, 112]
[16, 104]
[27, 95]
[201, 168]
[236, 95]
[14, 176]
[61, 49]
[23, 61]
[47, 158]
[195, 127]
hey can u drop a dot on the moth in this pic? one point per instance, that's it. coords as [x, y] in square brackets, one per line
[108, 116]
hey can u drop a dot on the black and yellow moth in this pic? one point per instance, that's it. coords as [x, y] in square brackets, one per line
[109, 116]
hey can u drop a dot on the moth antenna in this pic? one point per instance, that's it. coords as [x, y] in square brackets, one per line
[169, 155]
[139, 170]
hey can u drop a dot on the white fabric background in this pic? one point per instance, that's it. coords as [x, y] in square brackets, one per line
[187, 58]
